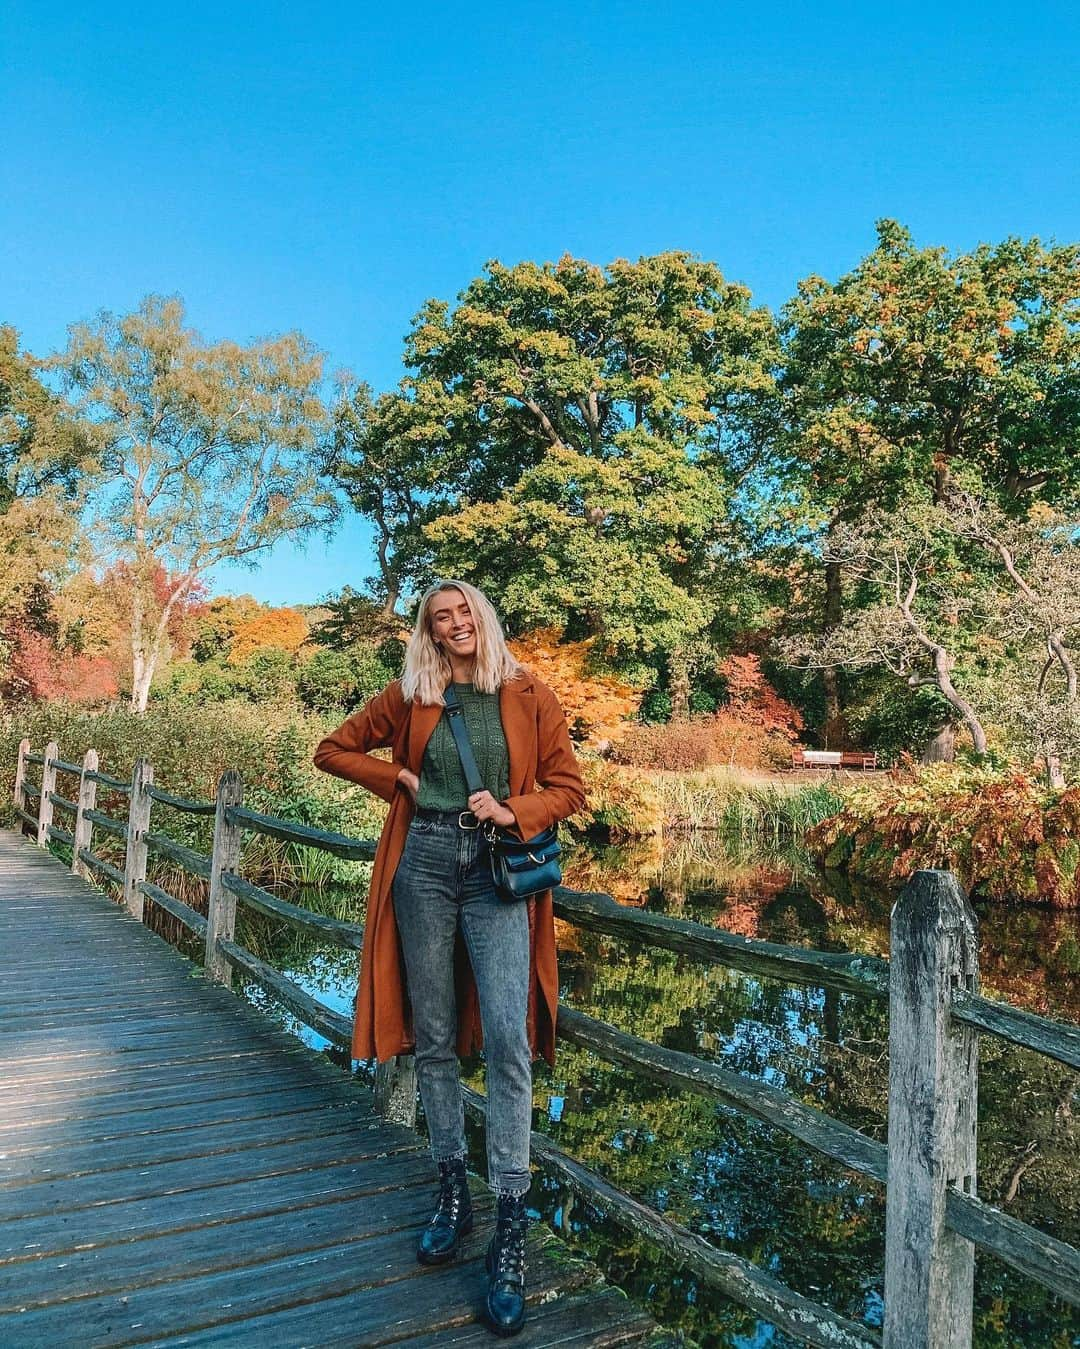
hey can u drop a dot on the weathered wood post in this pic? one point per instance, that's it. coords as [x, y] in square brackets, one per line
[48, 785]
[395, 1090]
[138, 827]
[221, 910]
[20, 781]
[933, 1091]
[83, 828]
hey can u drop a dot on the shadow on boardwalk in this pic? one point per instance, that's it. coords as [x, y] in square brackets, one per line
[175, 1169]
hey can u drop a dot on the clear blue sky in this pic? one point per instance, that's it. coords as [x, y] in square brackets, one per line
[329, 167]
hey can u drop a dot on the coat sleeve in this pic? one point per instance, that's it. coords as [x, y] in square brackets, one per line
[345, 752]
[557, 773]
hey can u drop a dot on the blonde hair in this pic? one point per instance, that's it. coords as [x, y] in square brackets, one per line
[427, 669]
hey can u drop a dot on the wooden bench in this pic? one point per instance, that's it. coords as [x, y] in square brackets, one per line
[833, 758]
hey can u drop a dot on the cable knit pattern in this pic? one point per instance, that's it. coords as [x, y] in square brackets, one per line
[442, 783]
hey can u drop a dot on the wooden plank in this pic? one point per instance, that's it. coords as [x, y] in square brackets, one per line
[219, 1087]
[865, 975]
[116, 827]
[340, 845]
[31, 1238]
[48, 783]
[196, 862]
[370, 1296]
[42, 1044]
[933, 1099]
[185, 1255]
[335, 930]
[329, 1023]
[179, 910]
[761, 1101]
[119, 1065]
[1033, 1253]
[135, 1180]
[598, 1319]
[1056, 1039]
[182, 803]
[113, 783]
[84, 828]
[169, 1121]
[81, 1158]
[42, 1097]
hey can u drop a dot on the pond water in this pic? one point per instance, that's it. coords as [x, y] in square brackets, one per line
[742, 1185]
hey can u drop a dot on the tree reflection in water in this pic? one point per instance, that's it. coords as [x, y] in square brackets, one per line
[743, 1185]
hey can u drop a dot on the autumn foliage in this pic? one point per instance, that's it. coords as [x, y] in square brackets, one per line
[595, 705]
[753, 729]
[38, 669]
[1005, 838]
[286, 629]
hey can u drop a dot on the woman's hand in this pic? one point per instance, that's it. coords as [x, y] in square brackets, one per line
[484, 806]
[410, 782]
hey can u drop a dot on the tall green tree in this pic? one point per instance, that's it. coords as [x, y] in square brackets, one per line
[923, 369]
[588, 436]
[211, 453]
[46, 467]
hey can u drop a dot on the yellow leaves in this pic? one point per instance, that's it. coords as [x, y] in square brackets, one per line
[596, 705]
[285, 629]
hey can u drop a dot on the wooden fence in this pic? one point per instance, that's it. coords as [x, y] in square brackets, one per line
[934, 1220]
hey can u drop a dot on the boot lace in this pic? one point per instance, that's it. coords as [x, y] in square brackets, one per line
[510, 1249]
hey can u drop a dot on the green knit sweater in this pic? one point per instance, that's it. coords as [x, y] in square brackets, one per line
[442, 782]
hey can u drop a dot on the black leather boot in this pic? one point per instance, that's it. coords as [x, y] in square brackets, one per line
[452, 1219]
[506, 1267]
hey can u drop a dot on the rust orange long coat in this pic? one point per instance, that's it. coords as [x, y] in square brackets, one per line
[540, 757]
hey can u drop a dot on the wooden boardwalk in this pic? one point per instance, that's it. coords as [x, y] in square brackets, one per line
[176, 1170]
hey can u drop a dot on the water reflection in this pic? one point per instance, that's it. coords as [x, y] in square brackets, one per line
[739, 1183]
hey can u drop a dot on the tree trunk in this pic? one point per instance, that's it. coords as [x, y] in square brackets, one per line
[1055, 774]
[835, 725]
[962, 706]
[679, 685]
[142, 677]
[941, 748]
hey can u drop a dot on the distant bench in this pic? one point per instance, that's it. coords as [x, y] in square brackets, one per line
[833, 758]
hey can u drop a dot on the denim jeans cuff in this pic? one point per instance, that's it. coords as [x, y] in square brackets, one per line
[511, 1188]
[458, 1155]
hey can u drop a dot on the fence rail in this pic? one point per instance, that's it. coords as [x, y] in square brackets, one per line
[936, 1016]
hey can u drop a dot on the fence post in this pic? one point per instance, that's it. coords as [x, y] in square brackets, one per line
[933, 1111]
[20, 781]
[221, 908]
[395, 1090]
[48, 784]
[83, 828]
[138, 827]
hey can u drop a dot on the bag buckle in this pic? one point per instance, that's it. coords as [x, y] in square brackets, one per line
[461, 820]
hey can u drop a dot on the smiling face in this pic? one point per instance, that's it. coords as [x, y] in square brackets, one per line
[452, 624]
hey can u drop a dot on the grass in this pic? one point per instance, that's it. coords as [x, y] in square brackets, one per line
[742, 803]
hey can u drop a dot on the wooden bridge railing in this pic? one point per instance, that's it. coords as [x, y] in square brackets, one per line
[934, 1220]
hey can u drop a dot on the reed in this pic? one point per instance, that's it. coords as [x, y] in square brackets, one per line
[744, 804]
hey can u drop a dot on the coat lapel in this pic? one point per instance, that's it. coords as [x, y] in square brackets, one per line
[517, 709]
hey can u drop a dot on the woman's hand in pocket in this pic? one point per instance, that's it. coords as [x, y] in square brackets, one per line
[409, 783]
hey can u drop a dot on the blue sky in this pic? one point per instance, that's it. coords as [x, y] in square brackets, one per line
[328, 169]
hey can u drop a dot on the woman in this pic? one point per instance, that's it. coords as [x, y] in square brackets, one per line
[478, 969]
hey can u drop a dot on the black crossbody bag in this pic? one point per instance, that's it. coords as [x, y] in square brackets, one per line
[518, 869]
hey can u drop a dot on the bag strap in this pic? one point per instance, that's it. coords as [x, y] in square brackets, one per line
[455, 715]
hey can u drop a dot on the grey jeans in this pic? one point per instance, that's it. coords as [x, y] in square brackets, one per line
[442, 880]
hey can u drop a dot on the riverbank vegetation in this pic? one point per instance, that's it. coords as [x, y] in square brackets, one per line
[716, 530]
